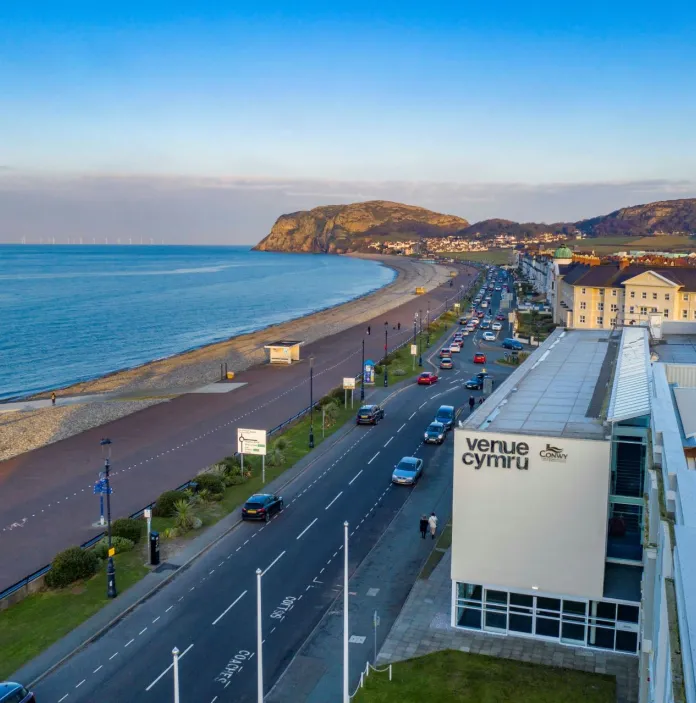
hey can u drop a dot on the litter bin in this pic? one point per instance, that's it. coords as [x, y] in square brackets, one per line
[154, 548]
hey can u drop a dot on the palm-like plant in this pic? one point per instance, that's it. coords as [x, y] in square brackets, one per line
[183, 515]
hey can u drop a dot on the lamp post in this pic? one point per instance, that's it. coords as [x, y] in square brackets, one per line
[415, 336]
[311, 402]
[110, 568]
[386, 351]
[427, 327]
[362, 374]
[259, 640]
[346, 693]
[420, 338]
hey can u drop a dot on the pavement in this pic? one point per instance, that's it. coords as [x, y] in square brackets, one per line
[424, 627]
[209, 610]
[47, 500]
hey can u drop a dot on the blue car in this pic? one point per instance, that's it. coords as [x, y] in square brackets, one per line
[435, 434]
[509, 343]
[408, 471]
[11, 692]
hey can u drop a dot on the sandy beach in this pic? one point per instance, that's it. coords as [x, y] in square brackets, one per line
[128, 391]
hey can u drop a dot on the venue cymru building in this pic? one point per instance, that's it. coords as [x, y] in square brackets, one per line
[574, 516]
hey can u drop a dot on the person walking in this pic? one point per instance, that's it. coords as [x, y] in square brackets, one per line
[368, 330]
[53, 398]
[423, 525]
[432, 521]
[472, 402]
[481, 399]
[398, 326]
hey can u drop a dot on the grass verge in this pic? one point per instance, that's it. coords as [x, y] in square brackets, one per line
[459, 677]
[500, 257]
[441, 546]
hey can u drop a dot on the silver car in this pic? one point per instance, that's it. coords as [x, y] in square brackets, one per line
[408, 471]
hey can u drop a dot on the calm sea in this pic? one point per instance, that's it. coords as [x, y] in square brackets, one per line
[71, 313]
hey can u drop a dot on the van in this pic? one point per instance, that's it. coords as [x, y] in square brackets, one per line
[445, 415]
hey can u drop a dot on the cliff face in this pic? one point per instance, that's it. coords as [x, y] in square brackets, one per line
[345, 228]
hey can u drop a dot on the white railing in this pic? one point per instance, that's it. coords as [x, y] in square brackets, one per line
[366, 672]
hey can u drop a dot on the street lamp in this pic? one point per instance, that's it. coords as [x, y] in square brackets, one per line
[259, 640]
[420, 338]
[110, 568]
[427, 326]
[362, 374]
[386, 351]
[311, 402]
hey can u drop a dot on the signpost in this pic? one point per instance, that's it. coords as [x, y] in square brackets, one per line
[375, 625]
[414, 354]
[348, 385]
[253, 442]
[100, 488]
[369, 373]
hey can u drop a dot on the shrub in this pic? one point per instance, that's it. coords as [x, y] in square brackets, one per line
[210, 482]
[236, 480]
[379, 370]
[120, 544]
[72, 565]
[231, 466]
[398, 372]
[184, 517]
[128, 528]
[164, 507]
[282, 443]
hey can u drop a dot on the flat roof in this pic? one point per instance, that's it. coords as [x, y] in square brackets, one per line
[284, 343]
[630, 395]
[559, 391]
[677, 349]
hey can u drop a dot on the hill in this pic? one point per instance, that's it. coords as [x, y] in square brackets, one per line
[345, 228]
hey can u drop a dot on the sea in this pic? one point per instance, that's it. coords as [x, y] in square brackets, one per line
[74, 313]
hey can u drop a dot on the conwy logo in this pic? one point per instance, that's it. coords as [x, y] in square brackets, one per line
[496, 453]
[552, 453]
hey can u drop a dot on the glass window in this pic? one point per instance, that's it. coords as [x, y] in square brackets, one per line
[666, 313]
[685, 296]
[583, 305]
[552, 604]
[614, 307]
[630, 309]
[613, 321]
[573, 632]
[633, 294]
[574, 607]
[654, 296]
[520, 599]
[685, 314]
[600, 321]
[643, 295]
[607, 611]
[496, 620]
[582, 319]
[582, 290]
[626, 641]
[643, 310]
[520, 623]
[601, 637]
[666, 296]
[496, 597]
[613, 292]
[628, 613]
[600, 306]
[546, 627]
[468, 616]
[469, 591]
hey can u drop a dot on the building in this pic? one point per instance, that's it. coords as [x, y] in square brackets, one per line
[558, 528]
[543, 271]
[616, 294]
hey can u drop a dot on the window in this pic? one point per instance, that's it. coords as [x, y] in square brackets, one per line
[633, 294]
[654, 296]
[643, 310]
[600, 322]
[600, 307]
[601, 291]
[665, 313]
[583, 305]
[612, 322]
[631, 309]
[685, 314]
[666, 296]
[582, 319]
[614, 307]
[613, 293]
[685, 296]
[583, 291]
[644, 295]
[694, 314]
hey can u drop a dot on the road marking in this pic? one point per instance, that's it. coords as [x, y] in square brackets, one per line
[306, 528]
[63, 698]
[421, 405]
[412, 416]
[127, 643]
[334, 500]
[228, 608]
[80, 684]
[143, 630]
[268, 568]
[402, 427]
[373, 458]
[181, 656]
[169, 608]
[354, 477]
[97, 669]
[389, 440]
[113, 655]
[156, 619]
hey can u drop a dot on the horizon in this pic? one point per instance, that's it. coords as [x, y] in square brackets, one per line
[204, 125]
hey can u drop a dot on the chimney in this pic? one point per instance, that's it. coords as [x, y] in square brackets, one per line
[624, 263]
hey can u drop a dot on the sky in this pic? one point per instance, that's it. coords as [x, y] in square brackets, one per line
[203, 124]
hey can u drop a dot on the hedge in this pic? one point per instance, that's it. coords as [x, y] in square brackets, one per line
[210, 482]
[164, 507]
[128, 528]
[120, 544]
[71, 565]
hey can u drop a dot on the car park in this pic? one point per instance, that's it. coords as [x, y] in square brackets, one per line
[407, 471]
[370, 415]
[446, 363]
[497, 326]
[479, 358]
[489, 336]
[445, 415]
[262, 506]
[509, 343]
[475, 383]
[435, 433]
[427, 378]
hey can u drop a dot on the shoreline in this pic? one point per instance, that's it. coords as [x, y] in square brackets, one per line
[80, 384]
[124, 392]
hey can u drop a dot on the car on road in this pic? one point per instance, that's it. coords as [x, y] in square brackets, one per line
[446, 363]
[435, 434]
[497, 287]
[479, 358]
[475, 383]
[480, 314]
[408, 471]
[485, 325]
[11, 692]
[370, 415]
[427, 378]
[466, 331]
[497, 326]
[262, 506]
[455, 347]
[500, 317]
[445, 351]
[488, 336]
[509, 343]
[445, 415]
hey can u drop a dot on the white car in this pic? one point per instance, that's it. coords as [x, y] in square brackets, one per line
[497, 326]
[455, 347]
[488, 337]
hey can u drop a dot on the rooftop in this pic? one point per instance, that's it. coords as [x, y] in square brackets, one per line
[560, 390]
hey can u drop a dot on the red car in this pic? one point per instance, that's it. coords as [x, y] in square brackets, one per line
[445, 352]
[427, 378]
[480, 313]
[500, 317]
[479, 358]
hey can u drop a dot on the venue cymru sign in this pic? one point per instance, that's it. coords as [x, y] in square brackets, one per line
[496, 453]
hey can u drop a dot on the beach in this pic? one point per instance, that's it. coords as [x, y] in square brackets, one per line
[122, 393]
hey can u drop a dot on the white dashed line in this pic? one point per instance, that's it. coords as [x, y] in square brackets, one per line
[354, 477]
[402, 427]
[113, 655]
[169, 608]
[389, 440]
[412, 415]
[129, 643]
[334, 500]
[306, 528]
[141, 631]
[373, 458]
[80, 684]
[97, 669]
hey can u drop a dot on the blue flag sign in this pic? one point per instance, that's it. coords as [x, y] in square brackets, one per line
[100, 487]
[369, 371]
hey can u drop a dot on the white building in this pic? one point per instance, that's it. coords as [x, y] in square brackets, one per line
[558, 531]
[542, 271]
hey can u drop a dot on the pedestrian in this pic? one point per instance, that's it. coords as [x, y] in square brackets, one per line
[432, 521]
[472, 402]
[53, 398]
[398, 326]
[481, 399]
[368, 330]
[423, 525]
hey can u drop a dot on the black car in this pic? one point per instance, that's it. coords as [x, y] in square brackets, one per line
[476, 382]
[262, 506]
[11, 692]
[370, 415]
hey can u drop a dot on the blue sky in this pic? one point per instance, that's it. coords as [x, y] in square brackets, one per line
[539, 94]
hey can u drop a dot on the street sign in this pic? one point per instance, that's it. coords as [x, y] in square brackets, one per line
[147, 513]
[369, 372]
[414, 350]
[349, 384]
[100, 487]
[251, 442]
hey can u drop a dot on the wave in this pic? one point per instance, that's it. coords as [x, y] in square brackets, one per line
[110, 274]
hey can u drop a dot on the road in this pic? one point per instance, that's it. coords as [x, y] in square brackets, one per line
[209, 612]
[47, 501]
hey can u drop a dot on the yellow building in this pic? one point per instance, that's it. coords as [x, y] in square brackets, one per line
[602, 297]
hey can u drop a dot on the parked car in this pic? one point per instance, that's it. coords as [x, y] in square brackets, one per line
[488, 336]
[408, 471]
[370, 415]
[475, 383]
[497, 326]
[479, 358]
[509, 343]
[435, 434]
[446, 363]
[445, 415]
[427, 378]
[262, 506]
[480, 314]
